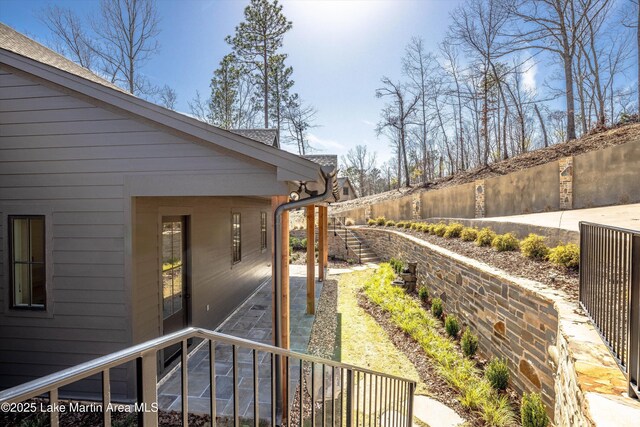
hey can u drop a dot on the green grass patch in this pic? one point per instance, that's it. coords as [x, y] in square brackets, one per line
[461, 373]
[361, 340]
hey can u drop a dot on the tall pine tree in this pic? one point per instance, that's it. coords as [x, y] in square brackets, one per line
[257, 40]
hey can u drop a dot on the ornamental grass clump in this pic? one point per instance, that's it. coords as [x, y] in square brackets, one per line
[400, 224]
[532, 412]
[469, 234]
[439, 229]
[390, 223]
[408, 224]
[381, 220]
[469, 343]
[505, 242]
[461, 373]
[533, 247]
[453, 230]
[436, 308]
[497, 373]
[566, 255]
[451, 325]
[423, 293]
[415, 225]
[424, 228]
[485, 237]
[397, 265]
[371, 222]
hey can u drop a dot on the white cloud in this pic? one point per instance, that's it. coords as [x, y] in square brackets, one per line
[323, 144]
[529, 76]
[368, 123]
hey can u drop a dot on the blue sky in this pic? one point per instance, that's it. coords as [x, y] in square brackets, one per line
[339, 50]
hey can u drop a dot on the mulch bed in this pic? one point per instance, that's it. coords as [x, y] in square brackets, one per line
[514, 263]
[438, 387]
[594, 141]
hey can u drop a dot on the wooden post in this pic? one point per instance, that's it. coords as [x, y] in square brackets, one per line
[325, 261]
[311, 259]
[322, 236]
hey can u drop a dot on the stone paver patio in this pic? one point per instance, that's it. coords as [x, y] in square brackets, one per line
[252, 320]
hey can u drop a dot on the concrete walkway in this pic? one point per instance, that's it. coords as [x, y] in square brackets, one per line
[252, 320]
[625, 216]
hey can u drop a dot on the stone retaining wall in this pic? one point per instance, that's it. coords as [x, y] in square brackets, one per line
[551, 347]
[512, 321]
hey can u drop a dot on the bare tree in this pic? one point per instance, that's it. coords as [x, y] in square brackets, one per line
[299, 119]
[556, 26]
[68, 31]
[359, 163]
[168, 97]
[396, 115]
[201, 108]
[126, 39]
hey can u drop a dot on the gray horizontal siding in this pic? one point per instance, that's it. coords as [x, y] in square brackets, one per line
[71, 156]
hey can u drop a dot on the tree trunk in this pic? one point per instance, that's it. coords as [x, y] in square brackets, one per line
[568, 81]
[638, 37]
[266, 83]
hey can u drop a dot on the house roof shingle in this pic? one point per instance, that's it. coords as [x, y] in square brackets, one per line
[16, 42]
[266, 136]
[324, 160]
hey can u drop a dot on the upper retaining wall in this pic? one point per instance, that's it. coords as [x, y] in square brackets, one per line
[599, 178]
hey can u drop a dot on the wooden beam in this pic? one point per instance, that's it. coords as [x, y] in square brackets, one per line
[311, 259]
[284, 241]
[325, 261]
[322, 236]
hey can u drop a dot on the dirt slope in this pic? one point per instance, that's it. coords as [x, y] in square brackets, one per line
[595, 141]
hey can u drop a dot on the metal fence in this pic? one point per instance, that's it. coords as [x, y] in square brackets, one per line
[329, 393]
[610, 292]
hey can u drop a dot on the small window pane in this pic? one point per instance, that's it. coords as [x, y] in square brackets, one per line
[37, 239]
[236, 238]
[22, 290]
[345, 191]
[37, 284]
[21, 240]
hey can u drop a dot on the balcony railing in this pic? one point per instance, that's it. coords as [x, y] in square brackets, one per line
[369, 398]
[610, 292]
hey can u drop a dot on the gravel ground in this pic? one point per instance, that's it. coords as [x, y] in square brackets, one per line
[512, 262]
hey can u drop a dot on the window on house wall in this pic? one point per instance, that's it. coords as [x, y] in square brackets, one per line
[27, 261]
[345, 191]
[236, 237]
[263, 231]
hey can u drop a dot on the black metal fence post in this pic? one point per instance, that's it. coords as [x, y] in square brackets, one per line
[634, 319]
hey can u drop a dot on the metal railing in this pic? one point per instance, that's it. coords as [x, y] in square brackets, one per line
[610, 292]
[370, 398]
[345, 237]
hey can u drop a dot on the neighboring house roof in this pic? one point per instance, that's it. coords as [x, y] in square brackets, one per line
[266, 136]
[28, 56]
[344, 180]
[324, 160]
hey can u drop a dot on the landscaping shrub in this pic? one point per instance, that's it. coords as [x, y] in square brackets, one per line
[567, 255]
[415, 225]
[349, 221]
[533, 247]
[453, 230]
[474, 391]
[408, 224]
[469, 234]
[451, 325]
[469, 343]
[436, 308]
[431, 228]
[505, 242]
[424, 228]
[390, 223]
[439, 229]
[485, 237]
[296, 244]
[371, 222]
[400, 224]
[423, 293]
[532, 413]
[380, 220]
[397, 265]
[497, 373]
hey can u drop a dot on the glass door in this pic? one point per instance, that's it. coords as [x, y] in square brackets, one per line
[174, 286]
